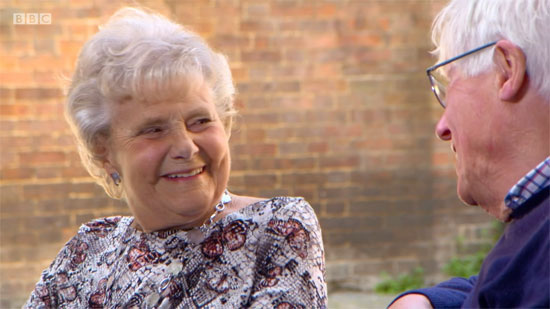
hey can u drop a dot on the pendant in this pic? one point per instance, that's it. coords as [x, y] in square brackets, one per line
[196, 236]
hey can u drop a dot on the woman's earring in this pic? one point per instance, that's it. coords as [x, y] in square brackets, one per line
[116, 178]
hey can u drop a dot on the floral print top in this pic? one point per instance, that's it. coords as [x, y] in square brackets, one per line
[266, 255]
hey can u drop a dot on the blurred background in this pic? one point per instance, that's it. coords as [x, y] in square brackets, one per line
[334, 106]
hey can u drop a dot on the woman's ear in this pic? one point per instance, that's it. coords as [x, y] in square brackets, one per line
[511, 70]
[104, 155]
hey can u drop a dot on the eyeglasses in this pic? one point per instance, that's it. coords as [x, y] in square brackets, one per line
[439, 82]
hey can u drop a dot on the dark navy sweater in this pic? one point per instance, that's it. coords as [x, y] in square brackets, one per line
[515, 274]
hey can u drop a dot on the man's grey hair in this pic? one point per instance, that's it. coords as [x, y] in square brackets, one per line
[466, 24]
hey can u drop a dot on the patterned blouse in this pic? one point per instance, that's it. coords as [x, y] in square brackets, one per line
[266, 255]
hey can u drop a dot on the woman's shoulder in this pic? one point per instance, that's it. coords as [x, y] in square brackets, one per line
[277, 205]
[95, 234]
[102, 227]
[278, 208]
[288, 205]
[91, 240]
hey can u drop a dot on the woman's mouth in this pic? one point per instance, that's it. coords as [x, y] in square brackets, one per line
[186, 174]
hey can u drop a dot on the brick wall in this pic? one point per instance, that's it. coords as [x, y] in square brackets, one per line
[335, 107]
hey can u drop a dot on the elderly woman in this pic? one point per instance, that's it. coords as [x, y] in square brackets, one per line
[151, 106]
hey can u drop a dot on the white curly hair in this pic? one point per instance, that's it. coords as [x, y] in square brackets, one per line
[138, 55]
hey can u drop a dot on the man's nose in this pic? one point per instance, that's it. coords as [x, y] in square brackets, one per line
[442, 129]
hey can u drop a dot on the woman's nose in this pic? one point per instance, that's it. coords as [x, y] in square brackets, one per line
[184, 146]
[442, 129]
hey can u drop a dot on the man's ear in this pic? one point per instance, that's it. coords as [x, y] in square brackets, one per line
[227, 126]
[511, 70]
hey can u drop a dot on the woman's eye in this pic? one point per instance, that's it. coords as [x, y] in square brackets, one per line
[203, 121]
[199, 124]
[152, 130]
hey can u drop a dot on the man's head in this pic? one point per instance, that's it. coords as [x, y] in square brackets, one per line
[497, 100]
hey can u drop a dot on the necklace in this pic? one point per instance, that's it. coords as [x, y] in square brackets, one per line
[197, 234]
[218, 209]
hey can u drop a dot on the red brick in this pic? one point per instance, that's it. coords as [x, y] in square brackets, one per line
[17, 47]
[297, 178]
[14, 110]
[292, 9]
[261, 56]
[41, 223]
[256, 149]
[256, 26]
[262, 119]
[319, 147]
[263, 180]
[9, 63]
[44, 47]
[334, 107]
[43, 62]
[36, 127]
[256, 135]
[11, 79]
[292, 148]
[80, 31]
[16, 142]
[52, 109]
[296, 72]
[42, 158]
[239, 74]
[6, 94]
[17, 173]
[377, 143]
[8, 159]
[74, 172]
[326, 10]
[339, 162]
[70, 50]
[45, 191]
[302, 163]
[254, 9]
[370, 40]
[323, 41]
[327, 69]
[37, 93]
[442, 159]
[230, 41]
[45, 172]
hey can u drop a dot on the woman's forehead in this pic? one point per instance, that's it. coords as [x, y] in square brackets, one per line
[184, 92]
[152, 89]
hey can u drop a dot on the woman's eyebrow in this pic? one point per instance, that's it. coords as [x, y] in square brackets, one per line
[151, 121]
[199, 111]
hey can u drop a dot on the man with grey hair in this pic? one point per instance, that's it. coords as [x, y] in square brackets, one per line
[494, 83]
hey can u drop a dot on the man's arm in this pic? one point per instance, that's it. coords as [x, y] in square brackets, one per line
[451, 293]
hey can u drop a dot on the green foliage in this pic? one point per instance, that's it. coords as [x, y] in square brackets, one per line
[497, 229]
[470, 265]
[412, 280]
[465, 266]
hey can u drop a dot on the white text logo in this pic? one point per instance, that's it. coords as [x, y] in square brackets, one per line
[32, 18]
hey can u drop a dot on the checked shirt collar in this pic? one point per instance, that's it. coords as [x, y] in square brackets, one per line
[530, 184]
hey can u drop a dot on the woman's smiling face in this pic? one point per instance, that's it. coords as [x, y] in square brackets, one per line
[173, 158]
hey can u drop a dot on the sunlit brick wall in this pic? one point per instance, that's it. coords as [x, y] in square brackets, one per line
[335, 107]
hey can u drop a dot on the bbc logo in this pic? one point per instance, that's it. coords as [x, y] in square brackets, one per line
[32, 18]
